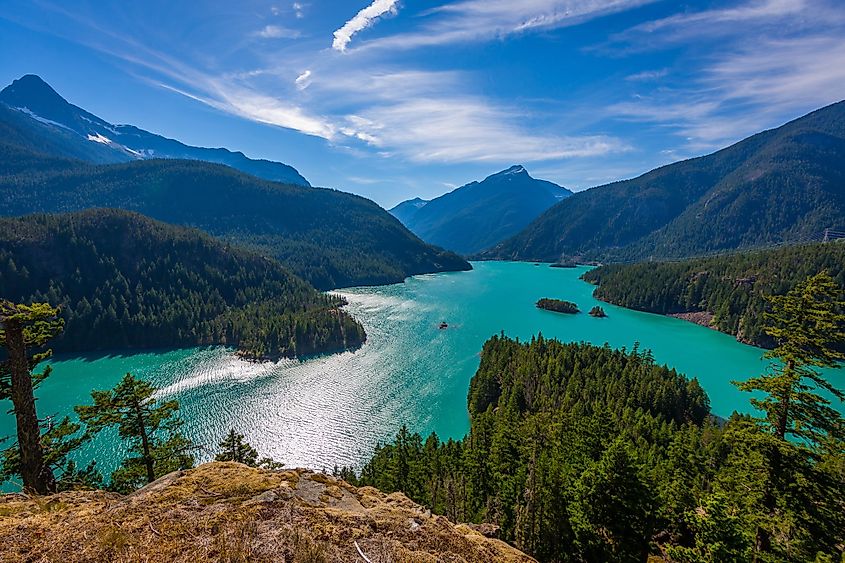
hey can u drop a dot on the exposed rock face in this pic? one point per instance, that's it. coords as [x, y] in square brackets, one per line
[230, 512]
[703, 318]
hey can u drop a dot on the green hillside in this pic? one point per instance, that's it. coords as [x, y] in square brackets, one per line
[126, 281]
[330, 238]
[730, 287]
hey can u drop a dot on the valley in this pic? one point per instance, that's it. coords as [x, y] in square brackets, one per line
[205, 356]
[332, 410]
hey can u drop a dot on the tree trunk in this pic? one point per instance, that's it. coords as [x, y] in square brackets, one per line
[762, 539]
[145, 441]
[785, 405]
[37, 477]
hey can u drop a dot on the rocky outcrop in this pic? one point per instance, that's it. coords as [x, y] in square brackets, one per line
[231, 512]
[703, 318]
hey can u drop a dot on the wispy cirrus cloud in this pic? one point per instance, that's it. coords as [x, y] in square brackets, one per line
[231, 92]
[427, 116]
[485, 20]
[755, 87]
[362, 20]
[783, 73]
[750, 18]
[416, 115]
[467, 129]
[303, 81]
[250, 104]
[767, 61]
[753, 11]
[648, 75]
[277, 32]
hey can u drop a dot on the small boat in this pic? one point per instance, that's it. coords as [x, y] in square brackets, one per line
[443, 325]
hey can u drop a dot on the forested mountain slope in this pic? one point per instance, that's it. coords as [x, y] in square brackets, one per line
[331, 238]
[123, 280]
[730, 287]
[776, 186]
[45, 117]
[480, 214]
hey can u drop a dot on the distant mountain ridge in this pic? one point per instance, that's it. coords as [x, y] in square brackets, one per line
[480, 214]
[405, 210]
[83, 135]
[776, 186]
[330, 238]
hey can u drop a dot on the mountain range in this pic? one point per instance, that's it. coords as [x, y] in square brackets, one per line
[43, 116]
[784, 184]
[480, 214]
[331, 238]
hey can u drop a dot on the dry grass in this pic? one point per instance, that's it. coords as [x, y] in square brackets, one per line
[228, 513]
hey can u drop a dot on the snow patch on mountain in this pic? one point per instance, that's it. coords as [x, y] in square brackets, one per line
[98, 138]
[37, 117]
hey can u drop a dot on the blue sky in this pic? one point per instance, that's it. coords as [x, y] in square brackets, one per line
[394, 99]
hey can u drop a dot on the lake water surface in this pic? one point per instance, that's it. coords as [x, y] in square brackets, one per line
[334, 409]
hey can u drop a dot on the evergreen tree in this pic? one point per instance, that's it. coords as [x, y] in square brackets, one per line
[612, 509]
[23, 328]
[718, 535]
[152, 429]
[57, 443]
[235, 448]
[808, 326]
[733, 287]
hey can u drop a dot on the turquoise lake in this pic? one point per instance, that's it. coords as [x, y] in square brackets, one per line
[334, 409]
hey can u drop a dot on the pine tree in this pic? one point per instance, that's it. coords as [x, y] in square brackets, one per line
[58, 440]
[234, 448]
[612, 508]
[808, 325]
[718, 535]
[23, 328]
[152, 429]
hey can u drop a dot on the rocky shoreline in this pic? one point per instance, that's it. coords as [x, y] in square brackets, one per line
[703, 318]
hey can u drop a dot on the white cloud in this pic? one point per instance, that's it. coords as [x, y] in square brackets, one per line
[760, 18]
[467, 129]
[362, 20]
[298, 10]
[428, 117]
[303, 80]
[647, 75]
[277, 32]
[255, 106]
[747, 89]
[482, 20]
[755, 10]
[785, 73]
[765, 62]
